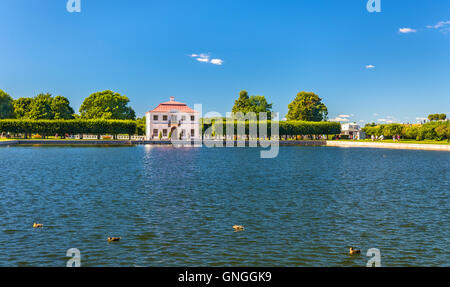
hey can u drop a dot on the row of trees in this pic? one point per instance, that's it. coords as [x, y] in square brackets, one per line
[437, 117]
[217, 127]
[61, 127]
[306, 106]
[106, 105]
[429, 131]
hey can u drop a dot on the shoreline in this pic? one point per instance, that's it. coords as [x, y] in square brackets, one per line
[408, 146]
[340, 144]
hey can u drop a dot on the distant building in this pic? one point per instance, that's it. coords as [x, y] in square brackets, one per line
[353, 130]
[172, 119]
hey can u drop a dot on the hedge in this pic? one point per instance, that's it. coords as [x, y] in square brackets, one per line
[286, 128]
[61, 127]
[115, 127]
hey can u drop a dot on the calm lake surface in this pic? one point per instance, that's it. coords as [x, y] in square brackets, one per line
[177, 206]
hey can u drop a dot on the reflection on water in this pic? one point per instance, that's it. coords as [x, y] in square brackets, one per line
[177, 206]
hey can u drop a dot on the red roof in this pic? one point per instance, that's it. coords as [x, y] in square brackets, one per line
[173, 105]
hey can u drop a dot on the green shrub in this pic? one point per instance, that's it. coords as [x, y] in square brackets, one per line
[52, 127]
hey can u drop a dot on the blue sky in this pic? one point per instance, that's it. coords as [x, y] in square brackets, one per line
[272, 48]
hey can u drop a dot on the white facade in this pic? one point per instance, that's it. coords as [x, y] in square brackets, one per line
[353, 130]
[173, 119]
[350, 128]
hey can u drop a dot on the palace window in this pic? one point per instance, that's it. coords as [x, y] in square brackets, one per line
[155, 132]
[192, 133]
[164, 133]
[155, 117]
[165, 118]
[192, 118]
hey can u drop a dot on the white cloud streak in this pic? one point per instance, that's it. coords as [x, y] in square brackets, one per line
[204, 60]
[442, 26]
[369, 67]
[439, 25]
[407, 30]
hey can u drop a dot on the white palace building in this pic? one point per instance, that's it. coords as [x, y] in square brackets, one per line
[173, 119]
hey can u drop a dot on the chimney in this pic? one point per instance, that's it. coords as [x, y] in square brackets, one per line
[172, 99]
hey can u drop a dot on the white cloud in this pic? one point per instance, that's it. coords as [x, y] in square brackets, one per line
[344, 116]
[407, 30]
[204, 58]
[376, 114]
[442, 26]
[439, 25]
[217, 62]
[339, 119]
[388, 121]
[370, 67]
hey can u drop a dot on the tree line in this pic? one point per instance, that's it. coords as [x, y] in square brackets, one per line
[437, 117]
[109, 105]
[108, 112]
[429, 131]
[106, 105]
[306, 106]
[307, 116]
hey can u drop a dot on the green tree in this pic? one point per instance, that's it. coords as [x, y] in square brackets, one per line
[255, 104]
[307, 106]
[61, 108]
[41, 107]
[242, 104]
[392, 130]
[140, 126]
[437, 117]
[107, 105]
[6, 106]
[259, 104]
[443, 131]
[22, 107]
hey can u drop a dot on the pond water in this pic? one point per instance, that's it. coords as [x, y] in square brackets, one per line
[177, 206]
